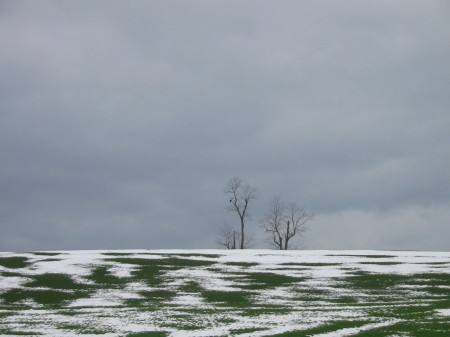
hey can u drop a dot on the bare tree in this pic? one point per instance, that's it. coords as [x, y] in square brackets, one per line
[241, 195]
[297, 218]
[273, 223]
[228, 237]
[283, 223]
[231, 238]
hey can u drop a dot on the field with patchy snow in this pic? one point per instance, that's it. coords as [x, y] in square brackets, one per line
[225, 293]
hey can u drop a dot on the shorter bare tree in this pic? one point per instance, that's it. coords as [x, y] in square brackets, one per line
[231, 238]
[283, 223]
[228, 237]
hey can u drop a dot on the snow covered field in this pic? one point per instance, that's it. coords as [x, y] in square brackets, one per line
[198, 293]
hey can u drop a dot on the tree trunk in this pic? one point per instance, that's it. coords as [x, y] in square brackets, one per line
[242, 234]
[286, 239]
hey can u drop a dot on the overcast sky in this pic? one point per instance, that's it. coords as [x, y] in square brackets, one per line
[121, 121]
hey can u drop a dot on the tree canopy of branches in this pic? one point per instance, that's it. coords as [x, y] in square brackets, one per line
[283, 223]
[240, 194]
[230, 238]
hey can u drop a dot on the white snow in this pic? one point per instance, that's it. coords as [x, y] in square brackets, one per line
[354, 331]
[320, 270]
[443, 312]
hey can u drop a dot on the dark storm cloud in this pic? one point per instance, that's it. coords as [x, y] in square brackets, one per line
[121, 122]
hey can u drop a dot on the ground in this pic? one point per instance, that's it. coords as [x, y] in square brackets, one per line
[247, 293]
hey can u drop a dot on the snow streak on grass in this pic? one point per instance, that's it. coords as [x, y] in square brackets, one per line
[225, 293]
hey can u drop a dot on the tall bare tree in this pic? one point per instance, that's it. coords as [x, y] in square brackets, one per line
[240, 194]
[283, 223]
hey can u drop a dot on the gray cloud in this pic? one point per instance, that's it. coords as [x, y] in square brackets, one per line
[121, 122]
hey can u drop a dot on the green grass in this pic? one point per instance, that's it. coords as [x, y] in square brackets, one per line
[151, 300]
[186, 263]
[53, 289]
[255, 311]
[150, 272]
[10, 274]
[136, 261]
[165, 262]
[46, 253]
[409, 328]
[50, 260]
[323, 328]
[184, 327]
[6, 314]
[14, 262]
[437, 290]
[82, 330]
[148, 334]
[268, 280]
[46, 297]
[104, 279]
[365, 256]
[191, 287]
[381, 263]
[226, 321]
[8, 332]
[257, 293]
[310, 294]
[55, 281]
[442, 303]
[232, 298]
[237, 332]
[432, 279]
[117, 254]
[310, 264]
[242, 264]
[369, 281]
[209, 256]
[164, 294]
[349, 300]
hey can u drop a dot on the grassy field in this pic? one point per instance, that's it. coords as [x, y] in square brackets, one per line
[225, 293]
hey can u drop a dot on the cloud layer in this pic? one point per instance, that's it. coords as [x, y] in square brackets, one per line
[121, 122]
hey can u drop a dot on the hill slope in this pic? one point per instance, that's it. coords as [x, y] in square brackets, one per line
[225, 293]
